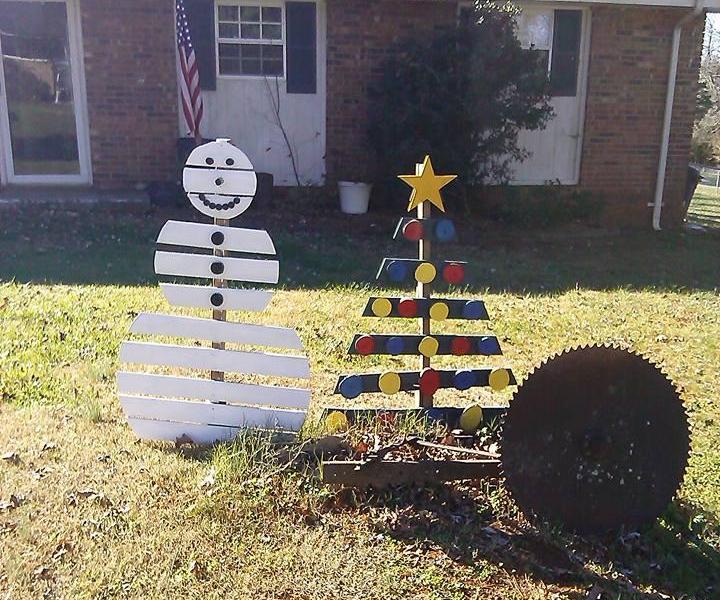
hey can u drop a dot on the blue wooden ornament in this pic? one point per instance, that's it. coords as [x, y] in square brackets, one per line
[397, 271]
[435, 414]
[488, 346]
[351, 387]
[464, 380]
[395, 345]
[444, 230]
[473, 309]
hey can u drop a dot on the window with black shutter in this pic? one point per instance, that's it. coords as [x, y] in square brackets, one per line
[565, 52]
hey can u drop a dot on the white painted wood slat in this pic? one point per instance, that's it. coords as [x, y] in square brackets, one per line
[199, 265]
[147, 429]
[206, 413]
[219, 181]
[216, 331]
[150, 384]
[200, 235]
[259, 363]
[198, 296]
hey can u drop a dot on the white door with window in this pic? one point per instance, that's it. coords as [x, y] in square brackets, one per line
[562, 38]
[43, 119]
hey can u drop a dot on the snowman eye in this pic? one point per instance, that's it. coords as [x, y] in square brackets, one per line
[229, 162]
[209, 161]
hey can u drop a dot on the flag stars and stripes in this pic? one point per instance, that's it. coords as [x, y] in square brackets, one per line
[188, 75]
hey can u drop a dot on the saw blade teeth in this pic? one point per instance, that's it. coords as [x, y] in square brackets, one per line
[528, 461]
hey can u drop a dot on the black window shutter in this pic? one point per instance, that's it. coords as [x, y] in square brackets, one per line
[566, 53]
[201, 19]
[301, 34]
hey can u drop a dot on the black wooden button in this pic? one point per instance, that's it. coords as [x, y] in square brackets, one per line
[217, 268]
[219, 181]
[217, 238]
[216, 299]
[209, 161]
[229, 162]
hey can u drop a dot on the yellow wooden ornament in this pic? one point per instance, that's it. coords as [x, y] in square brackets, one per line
[499, 379]
[471, 418]
[439, 311]
[428, 346]
[336, 421]
[389, 383]
[425, 272]
[426, 186]
[381, 307]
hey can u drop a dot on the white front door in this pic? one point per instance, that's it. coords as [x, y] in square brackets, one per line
[562, 37]
[43, 120]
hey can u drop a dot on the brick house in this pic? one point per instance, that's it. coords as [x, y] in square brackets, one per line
[88, 90]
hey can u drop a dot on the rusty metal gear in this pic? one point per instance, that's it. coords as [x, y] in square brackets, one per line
[596, 439]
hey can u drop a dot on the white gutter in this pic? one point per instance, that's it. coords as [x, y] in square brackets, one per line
[667, 121]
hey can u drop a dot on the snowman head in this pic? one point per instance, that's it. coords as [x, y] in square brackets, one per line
[219, 180]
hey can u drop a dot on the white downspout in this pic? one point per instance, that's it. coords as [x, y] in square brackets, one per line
[667, 120]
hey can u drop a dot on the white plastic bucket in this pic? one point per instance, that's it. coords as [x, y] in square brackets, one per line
[354, 197]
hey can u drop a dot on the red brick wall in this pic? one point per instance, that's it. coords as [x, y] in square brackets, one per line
[361, 35]
[629, 58]
[131, 90]
[628, 71]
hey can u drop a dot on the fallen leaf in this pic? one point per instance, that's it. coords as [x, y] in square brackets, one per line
[209, 480]
[12, 457]
[15, 501]
[43, 572]
[61, 550]
[48, 446]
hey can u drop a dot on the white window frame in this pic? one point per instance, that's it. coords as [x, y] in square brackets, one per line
[82, 127]
[239, 40]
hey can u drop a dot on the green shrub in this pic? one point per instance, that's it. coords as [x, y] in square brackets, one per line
[462, 96]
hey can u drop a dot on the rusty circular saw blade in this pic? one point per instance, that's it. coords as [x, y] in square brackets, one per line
[596, 439]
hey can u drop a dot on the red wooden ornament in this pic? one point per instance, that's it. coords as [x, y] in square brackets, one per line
[429, 381]
[460, 346]
[365, 344]
[413, 230]
[454, 274]
[407, 307]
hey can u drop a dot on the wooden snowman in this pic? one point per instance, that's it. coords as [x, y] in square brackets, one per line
[221, 183]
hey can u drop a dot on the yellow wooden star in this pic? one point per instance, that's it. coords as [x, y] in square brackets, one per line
[427, 185]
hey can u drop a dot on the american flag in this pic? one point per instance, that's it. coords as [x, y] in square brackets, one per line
[188, 75]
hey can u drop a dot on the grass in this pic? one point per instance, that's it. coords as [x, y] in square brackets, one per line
[705, 207]
[91, 512]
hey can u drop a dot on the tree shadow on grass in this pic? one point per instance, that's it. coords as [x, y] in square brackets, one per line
[673, 557]
[319, 247]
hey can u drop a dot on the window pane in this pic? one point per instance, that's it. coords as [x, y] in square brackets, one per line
[273, 67]
[251, 67]
[566, 53]
[250, 13]
[271, 32]
[250, 51]
[229, 59]
[272, 52]
[534, 30]
[38, 87]
[228, 30]
[227, 13]
[250, 32]
[272, 14]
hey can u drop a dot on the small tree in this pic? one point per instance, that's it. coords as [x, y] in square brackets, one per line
[462, 96]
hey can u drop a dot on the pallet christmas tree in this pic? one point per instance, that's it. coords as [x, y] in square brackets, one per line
[426, 273]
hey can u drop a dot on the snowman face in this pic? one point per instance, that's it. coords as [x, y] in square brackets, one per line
[219, 180]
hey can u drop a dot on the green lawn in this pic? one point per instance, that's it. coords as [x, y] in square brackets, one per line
[91, 512]
[705, 207]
